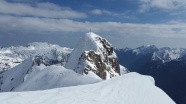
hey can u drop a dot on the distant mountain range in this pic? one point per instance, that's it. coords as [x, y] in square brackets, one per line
[166, 65]
[45, 53]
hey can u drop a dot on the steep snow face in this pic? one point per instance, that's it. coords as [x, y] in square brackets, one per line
[95, 54]
[12, 78]
[168, 54]
[131, 88]
[52, 77]
[44, 53]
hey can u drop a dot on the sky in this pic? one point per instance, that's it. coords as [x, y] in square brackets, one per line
[124, 23]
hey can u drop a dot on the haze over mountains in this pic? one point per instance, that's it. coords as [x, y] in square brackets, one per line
[43, 66]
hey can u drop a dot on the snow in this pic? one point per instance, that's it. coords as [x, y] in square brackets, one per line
[130, 88]
[92, 75]
[145, 49]
[14, 55]
[123, 70]
[86, 43]
[12, 78]
[168, 54]
[79, 59]
[53, 77]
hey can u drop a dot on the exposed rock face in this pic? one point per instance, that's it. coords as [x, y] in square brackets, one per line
[94, 54]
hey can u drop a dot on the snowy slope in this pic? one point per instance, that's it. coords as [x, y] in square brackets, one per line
[49, 53]
[53, 77]
[94, 54]
[12, 78]
[131, 88]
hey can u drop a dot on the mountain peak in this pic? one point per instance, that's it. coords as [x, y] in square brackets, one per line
[94, 54]
[91, 34]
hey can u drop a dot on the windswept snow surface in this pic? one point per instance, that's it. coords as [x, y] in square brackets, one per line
[53, 77]
[130, 88]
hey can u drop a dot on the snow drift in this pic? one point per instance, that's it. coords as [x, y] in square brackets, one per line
[130, 88]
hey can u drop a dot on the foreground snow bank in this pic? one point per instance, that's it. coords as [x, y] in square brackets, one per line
[131, 88]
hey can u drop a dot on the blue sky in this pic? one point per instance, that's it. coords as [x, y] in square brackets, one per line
[125, 23]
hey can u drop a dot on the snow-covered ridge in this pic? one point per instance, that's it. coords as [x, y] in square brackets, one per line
[53, 77]
[131, 88]
[14, 55]
[94, 54]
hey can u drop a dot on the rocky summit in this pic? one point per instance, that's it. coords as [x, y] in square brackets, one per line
[94, 56]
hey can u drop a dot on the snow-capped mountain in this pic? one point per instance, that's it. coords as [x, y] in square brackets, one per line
[145, 49]
[133, 59]
[131, 88]
[41, 67]
[167, 54]
[43, 52]
[33, 71]
[94, 56]
[164, 54]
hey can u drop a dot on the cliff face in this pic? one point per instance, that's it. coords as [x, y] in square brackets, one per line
[94, 54]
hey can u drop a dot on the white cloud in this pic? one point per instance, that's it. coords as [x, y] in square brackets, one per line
[146, 5]
[11, 24]
[110, 13]
[48, 10]
[101, 12]
[96, 12]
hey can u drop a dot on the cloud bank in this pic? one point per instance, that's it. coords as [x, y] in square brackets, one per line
[11, 24]
[48, 10]
[44, 18]
[146, 5]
